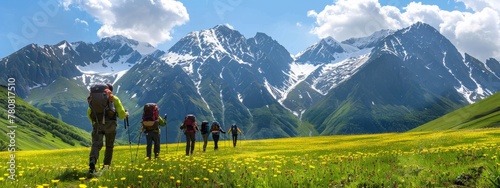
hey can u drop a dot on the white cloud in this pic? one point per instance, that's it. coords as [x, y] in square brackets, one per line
[80, 21]
[148, 21]
[476, 32]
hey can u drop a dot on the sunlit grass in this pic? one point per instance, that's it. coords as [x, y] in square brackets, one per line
[417, 159]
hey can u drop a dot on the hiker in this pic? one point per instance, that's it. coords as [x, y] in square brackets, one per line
[204, 133]
[234, 130]
[151, 122]
[102, 113]
[190, 128]
[216, 130]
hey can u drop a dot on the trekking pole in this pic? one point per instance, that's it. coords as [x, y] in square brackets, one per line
[127, 126]
[166, 134]
[138, 142]
[178, 141]
[199, 135]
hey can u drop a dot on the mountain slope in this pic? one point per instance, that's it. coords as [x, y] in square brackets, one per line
[218, 75]
[38, 130]
[389, 81]
[482, 114]
[412, 76]
[65, 99]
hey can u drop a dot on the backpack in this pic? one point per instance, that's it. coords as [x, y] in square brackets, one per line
[189, 123]
[101, 103]
[234, 129]
[150, 117]
[215, 128]
[204, 127]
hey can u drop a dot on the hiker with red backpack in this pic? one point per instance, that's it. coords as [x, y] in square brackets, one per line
[190, 128]
[234, 130]
[151, 122]
[103, 110]
[216, 130]
[204, 133]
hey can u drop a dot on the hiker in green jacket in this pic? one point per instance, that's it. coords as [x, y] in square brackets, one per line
[104, 123]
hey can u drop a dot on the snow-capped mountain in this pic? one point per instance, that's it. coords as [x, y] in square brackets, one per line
[388, 81]
[105, 60]
[410, 77]
[369, 41]
[219, 75]
[326, 50]
[54, 78]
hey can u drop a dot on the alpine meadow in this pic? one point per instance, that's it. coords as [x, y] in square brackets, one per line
[212, 94]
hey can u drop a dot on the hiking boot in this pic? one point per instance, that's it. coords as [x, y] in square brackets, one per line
[105, 167]
[91, 173]
[91, 167]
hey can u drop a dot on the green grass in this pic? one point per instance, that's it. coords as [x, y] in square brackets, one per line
[482, 114]
[419, 159]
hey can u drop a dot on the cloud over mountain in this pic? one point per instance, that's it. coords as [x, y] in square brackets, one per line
[148, 21]
[475, 31]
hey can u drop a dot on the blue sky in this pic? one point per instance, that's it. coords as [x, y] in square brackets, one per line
[294, 24]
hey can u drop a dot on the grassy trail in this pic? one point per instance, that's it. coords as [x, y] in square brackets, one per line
[417, 159]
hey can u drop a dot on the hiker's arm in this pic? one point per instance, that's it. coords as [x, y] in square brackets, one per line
[161, 121]
[88, 115]
[239, 131]
[119, 108]
[229, 131]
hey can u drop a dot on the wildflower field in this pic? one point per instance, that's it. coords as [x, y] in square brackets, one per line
[419, 159]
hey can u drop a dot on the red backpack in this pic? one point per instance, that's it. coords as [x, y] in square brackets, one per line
[150, 117]
[190, 123]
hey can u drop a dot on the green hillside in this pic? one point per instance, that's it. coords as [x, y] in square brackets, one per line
[482, 114]
[65, 99]
[37, 130]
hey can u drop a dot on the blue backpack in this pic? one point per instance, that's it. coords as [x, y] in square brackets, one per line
[234, 129]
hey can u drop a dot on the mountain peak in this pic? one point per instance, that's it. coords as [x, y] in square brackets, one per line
[120, 39]
[368, 41]
[143, 48]
[262, 35]
[420, 27]
[223, 28]
[330, 41]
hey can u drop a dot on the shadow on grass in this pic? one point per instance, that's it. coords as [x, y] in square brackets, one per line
[71, 175]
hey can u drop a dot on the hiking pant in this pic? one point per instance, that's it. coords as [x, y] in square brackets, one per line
[235, 139]
[205, 141]
[152, 136]
[100, 131]
[190, 140]
[216, 141]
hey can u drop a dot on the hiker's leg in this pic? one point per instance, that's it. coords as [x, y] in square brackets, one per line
[149, 140]
[235, 137]
[216, 141]
[205, 141]
[156, 140]
[110, 134]
[188, 143]
[97, 143]
[193, 141]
